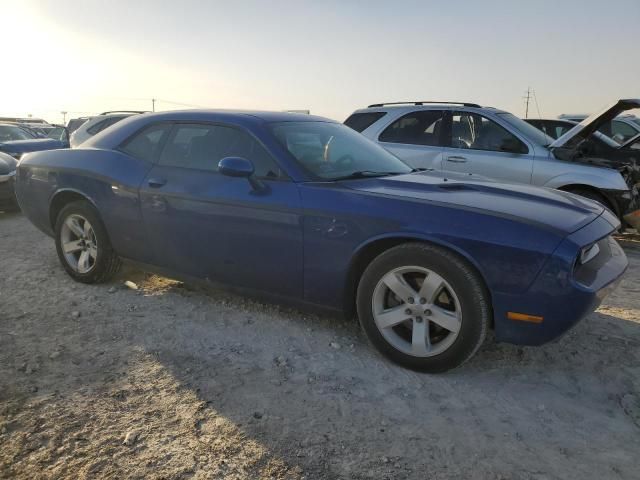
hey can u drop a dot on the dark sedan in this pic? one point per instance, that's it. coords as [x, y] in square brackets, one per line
[306, 210]
[16, 141]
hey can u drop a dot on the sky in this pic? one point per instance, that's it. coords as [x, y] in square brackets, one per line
[329, 56]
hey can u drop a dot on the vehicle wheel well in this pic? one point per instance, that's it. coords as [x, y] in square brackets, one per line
[366, 255]
[596, 191]
[60, 201]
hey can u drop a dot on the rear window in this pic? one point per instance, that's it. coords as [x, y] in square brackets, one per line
[361, 121]
[98, 127]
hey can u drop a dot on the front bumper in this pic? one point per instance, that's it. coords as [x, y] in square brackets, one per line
[564, 292]
[7, 190]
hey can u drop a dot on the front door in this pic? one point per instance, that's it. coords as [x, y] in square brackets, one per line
[211, 226]
[478, 145]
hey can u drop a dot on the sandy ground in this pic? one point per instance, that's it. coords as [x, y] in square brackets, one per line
[172, 381]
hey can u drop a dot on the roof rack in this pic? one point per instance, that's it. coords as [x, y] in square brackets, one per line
[423, 102]
[124, 111]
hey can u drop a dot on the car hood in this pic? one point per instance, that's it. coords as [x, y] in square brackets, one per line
[35, 145]
[548, 208]
[592, 123]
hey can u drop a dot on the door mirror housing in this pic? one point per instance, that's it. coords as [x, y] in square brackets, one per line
[236, 167]
[239, 167]
[512, 145]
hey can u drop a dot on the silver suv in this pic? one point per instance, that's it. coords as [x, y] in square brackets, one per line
[470, 139]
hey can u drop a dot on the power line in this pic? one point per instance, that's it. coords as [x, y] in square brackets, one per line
[180, 104]
[535, 98]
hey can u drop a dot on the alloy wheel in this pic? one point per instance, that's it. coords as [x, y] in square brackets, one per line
[416, 311]
[79, 243]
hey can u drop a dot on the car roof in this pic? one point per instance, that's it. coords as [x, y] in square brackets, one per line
[557, 120]
[221, 114]
[17, 125]
[412, 107]
[245, 118]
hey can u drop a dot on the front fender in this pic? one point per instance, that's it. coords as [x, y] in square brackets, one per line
[418, 237]
[605, 179]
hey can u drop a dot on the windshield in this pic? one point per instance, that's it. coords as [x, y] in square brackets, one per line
[636, 121]
[331, 151]
[11, 132]
[526, 129]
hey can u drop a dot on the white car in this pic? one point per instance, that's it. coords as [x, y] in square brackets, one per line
[96, 124]
[621, 128]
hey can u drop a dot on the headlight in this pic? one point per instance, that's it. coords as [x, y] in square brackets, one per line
[589, 253]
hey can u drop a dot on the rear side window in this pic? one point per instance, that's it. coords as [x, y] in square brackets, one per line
[202, 146]
[423, 127]
[107, 122]
[146, 144]
[361, 121]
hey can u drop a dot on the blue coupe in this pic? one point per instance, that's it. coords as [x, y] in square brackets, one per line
[306, 210]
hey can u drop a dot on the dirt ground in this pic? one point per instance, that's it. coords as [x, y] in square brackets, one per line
[172, 381]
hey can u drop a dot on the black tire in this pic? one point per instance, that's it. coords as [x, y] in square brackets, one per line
[469, 288]
[107, 263]
[592, 195]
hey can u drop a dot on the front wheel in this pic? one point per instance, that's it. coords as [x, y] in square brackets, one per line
[592, 195]
[423, 307]
[83, 245]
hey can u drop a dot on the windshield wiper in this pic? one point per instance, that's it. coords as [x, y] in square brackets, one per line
[366, 174]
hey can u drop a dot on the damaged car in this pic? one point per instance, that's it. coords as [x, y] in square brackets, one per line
[579, 145]
[461, 137]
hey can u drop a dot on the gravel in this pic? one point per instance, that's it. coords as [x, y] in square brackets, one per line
[176, 381]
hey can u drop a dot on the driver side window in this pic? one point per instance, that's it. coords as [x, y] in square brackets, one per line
[201, 146]
[476, 132]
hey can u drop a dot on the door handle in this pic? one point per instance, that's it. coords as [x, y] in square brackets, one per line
[156, 182]
[456, 159]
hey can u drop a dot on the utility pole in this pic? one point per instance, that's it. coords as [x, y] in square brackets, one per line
[153, 104]
[64, 118]
[527, 98]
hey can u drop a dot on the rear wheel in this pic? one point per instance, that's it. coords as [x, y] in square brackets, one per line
[83, 245]
[423, 307]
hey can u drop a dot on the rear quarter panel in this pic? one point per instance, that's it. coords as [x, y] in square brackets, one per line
[108, 179]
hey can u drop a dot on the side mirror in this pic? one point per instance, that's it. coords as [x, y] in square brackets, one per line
[235, 167]
[512, 145]
[240, 168]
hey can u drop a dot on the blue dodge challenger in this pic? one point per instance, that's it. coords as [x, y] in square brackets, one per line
[305, 210]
